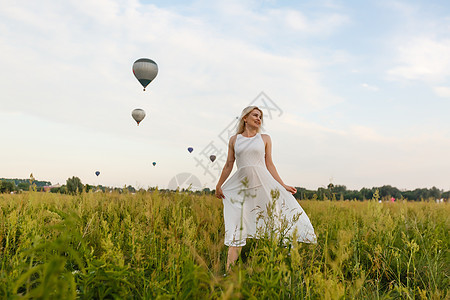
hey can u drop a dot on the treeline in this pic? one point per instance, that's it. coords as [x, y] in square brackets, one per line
[340, 192]
[73, 186]
[12, 185]
[385, 192]
[332, 192]
[26, 182]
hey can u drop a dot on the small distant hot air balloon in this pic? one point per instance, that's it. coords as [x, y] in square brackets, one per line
[154, 163]
[190, 149]
[97, 173]
[145, 71]
[212, 158]
[138, 115]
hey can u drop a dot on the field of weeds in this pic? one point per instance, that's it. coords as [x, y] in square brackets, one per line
[170, 245]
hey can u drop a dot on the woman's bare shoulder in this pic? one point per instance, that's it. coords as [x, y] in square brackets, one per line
[265, 137]
[233, 139]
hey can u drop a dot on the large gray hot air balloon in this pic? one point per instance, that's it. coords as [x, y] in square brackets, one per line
[145, 71]
[138, 115]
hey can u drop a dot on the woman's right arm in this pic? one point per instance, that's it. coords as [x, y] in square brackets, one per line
[227, 168]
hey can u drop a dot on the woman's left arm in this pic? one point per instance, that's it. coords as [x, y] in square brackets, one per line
[271, 166]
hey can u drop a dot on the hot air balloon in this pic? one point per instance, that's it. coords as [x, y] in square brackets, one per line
[145, 71]
[190, 149]
[154, 163]
[138, 115]
[212, 158]
[97, 173]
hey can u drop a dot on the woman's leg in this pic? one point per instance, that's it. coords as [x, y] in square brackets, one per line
[233, 254]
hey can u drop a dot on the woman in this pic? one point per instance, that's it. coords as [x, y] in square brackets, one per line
[248, 193]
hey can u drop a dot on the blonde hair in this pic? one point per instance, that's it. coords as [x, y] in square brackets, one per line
[245, 112]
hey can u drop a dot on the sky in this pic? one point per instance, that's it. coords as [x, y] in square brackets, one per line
[355, 93]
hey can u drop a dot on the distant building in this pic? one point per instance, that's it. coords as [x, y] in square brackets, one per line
[47, 188]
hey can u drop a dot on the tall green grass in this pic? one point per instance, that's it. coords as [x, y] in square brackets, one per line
[170, 245]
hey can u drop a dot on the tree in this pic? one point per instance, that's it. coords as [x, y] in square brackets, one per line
[63, 189]
[130, 189]
[387, 191]
[89, 187]
[340, 189]
[353, 195]
[435, 192]
[55, 190]
[7, 186]
[74, 185]
[24, 186]
[446, 194]
[366, 193]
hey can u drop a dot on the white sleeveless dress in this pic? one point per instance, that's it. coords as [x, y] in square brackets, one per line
[249, 192]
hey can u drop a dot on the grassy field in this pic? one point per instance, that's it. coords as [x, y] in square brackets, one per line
[150, 245]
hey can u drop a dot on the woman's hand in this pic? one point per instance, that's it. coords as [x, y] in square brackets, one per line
[289, 188]
[219, 193]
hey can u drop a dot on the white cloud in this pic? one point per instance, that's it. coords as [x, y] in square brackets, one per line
[423, 58]
[370, 87]
[296, 20]
[442, 91]
[406, 9]
[278, 27]
[302, 125]
[364, 133]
